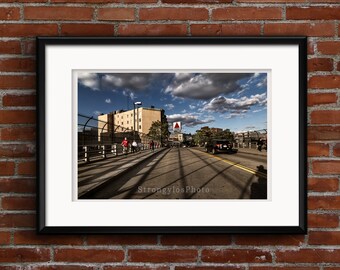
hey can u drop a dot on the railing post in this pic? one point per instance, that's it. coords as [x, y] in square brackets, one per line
[103, 151]
[114, 149]
[86, 154]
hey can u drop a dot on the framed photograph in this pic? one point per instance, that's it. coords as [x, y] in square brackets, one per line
[172, 135]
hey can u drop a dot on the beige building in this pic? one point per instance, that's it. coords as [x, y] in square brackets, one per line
[122, 121]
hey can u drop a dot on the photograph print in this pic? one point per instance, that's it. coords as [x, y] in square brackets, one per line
[172, 135]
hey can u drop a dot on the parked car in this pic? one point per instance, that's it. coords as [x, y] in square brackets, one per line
[220, 146]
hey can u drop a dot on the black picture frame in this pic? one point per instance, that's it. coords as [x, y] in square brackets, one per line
[43, 42]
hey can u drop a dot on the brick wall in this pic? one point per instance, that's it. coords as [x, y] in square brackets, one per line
[22, 20]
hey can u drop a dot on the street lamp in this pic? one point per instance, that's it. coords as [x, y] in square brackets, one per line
[137, 103]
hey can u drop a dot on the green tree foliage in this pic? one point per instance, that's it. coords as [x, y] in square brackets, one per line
[159, 131]
[206, 134]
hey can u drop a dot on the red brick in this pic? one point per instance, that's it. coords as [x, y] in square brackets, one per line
[17, 134]
[16, 150]
[10, 14]
[17, 220]
[105, 1]
[267, 240]
[246, 13]
[324, 82]
[324, 202]
[336, 150]
[6, 168]
[325, 117]
[310, 47]
[195, 240]
[324, 238]
[155, 14]
[116, 14]
[329, 47]
[318, 149]
[326, 167]
[87, 29]
[308, 256]
[323, 221]
[283, 268]
[31, 238]
[152, 30]
[313, 13]
[205, 2]
[58, 13]
[320, 64]
[5, 238]
[236, 256]
[10, 47]
[162, 256]
[122, 240]
[323, 184]
[17, 64]
[17, 117]
[28, 30]
[338, 67]
[19, 255]
[19, 100]
[18, 203]
[304, 29]
[209, 268]
[23, 1]
[17, 185]
[323, 133]
[28, 47]
[17, 82]
[88, 255]
[272, 1]
[226, 29]
[61, 267]
[321, 98]
[26, 168]
[153, 267]
[324, 1]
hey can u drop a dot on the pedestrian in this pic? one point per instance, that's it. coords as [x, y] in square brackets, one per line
[125, 144]
[152, 145]
[260, 144]
[134, 146]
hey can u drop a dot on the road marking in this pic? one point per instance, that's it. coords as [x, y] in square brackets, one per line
[242, 167]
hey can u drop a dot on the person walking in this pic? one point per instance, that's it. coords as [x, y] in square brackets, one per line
[152, 145]
[125, 144]
[134, 146]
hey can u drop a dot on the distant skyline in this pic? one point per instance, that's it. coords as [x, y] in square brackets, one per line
[237, 101]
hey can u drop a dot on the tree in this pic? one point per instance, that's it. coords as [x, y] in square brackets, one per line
[159, 130]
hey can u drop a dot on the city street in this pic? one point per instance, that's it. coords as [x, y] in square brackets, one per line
[191, 173]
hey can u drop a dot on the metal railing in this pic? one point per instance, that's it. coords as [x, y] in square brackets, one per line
[99, 139]
[250, 139]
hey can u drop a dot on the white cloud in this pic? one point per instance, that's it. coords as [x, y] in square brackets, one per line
[89, 80]
[192, 107]
[108, 100]
[189, 120]
[205, 85]
[97, 113]
[169, 106]
[232, 105]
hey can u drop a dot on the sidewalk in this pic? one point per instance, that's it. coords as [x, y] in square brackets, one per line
[93, 175]
[252, 151]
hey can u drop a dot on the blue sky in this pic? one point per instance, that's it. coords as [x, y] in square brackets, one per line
[237, 101]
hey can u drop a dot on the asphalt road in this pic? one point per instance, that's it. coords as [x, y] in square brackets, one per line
[190, 173]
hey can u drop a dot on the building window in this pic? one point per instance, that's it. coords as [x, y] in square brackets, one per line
[140, 127]
[127, 122]
[140, 119]
[131, 128]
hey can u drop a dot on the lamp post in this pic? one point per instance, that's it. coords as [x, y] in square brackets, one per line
[138, 103]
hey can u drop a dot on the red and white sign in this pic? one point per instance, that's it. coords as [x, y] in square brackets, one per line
[177, 126]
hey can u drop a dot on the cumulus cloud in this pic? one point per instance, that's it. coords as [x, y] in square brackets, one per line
[192, 107]
[131, 82]
[189, 120]
[205, 85]
[108, 100]
[232, 105]
[169, 106]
